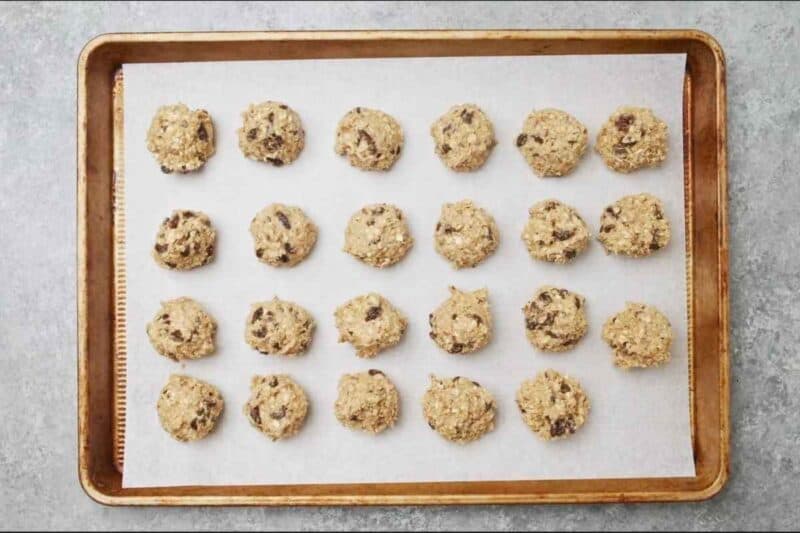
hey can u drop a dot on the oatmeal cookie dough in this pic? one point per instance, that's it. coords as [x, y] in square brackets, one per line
[378, 235]
[185, 240]
[634, 226]
[553, 405]
[555, 319]
[277, 406]
[463, 137]
[555, 232]
[181, 139]
[459, 409]
[370, 323]
[278, 327]
[465, 234]
[282, 235]
[188, 408]
[182, 329]
[632, 138]
[462, 323]
[370, 139]
[367, 401]
[640, 336]
[271, 132]
[552, 142]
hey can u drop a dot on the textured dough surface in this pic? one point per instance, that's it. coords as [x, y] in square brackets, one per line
[367, 401]
[632, 138]
[466, 234]
[555, 319]
[459, 409]
[278, 327]
[185, 240]
[271, 132]
[277, 406]
[378, 235]
[555, 232]
[181, 139]
[635, 226]
[553, 405]
[370, 139]
[640, 336]
[282, 235]
[463, 137]
[462, 323]
[182, 329]
[370, 323]
[552, 142]
[188, 408]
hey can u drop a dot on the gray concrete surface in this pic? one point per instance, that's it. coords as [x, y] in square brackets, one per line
[40, 45]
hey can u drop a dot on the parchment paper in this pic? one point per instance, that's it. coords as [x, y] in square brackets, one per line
[639, 421]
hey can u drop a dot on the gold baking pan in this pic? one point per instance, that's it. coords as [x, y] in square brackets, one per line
[101, 265]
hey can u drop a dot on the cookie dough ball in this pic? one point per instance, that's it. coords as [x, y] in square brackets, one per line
[459, 409]
[378, 235]
[188, 408]
[555, 232]
[282, 235]
[182, 330]
[370, 323]
[278, 327]
[465, 234]
[552, 142]
[553, 405]
[370, 139]
[181, 139]
[277, 406]
[463, 323]
[367, 401]
[632, 138]
[634, 226]
[555, 319]
[185, 240]
[640, 336]
[464, 137]
[271, 132]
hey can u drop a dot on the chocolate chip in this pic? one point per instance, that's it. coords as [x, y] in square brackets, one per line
[188, 214]
[259, 252]
[549, 206]
[160, 248]
[284, 258]
[449, 229]
[607, 228]
[654, 244]
[477, 319]
[275, 161]
[280, 413]
[378, 210]
[430, 425]
[202, 134]
[563, 235]
[538, 139]
[283, 106]
[271, 117]
[466, 116]
[545, 298]
[456, 348]
[570, 254]
[284, 220]
[273, 382]
[252, 134]
[373, 372]
[562, 425]
[273, 142]
[358, 110]
[623, 122]
[658, 213]
[373, 313]
[176, 335]
[288, 248]
[577, 303]
[255, 415]
[565, 388]
[489, 406]
[170, 265]
[521, 139]
[166, 170]
[476, 383]
[260, 333]
[257, 314]
[173, 222]
[193, 424]
[445, 148]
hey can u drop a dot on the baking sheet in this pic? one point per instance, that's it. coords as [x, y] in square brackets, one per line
[639, 423]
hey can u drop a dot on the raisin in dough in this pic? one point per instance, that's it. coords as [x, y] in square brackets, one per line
[552, 142]
[640, 336]
[370, 323]
[282, 235]
[555, 232]
[378, 235]
[278, 327]
[463, 137]
[188, 408]
[271, 132]
[181, 139]
[465, 234]
[555, 319]
[553, 405]
[277, 406]
[632, 138]
[459, 409]
[370, 139]
[185, 240]
[462, 323]
[367, 401]
[182, 329]
[634, 226]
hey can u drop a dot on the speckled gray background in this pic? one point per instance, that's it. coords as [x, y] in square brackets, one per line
[40, 45]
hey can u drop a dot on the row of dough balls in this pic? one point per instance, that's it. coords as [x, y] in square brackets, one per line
[553, 405]
[551, 141]
[465, 233]
[554, 319]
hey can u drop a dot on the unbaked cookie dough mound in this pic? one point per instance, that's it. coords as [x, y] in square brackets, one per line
[640, 336]
[555, 319]
[632, 138]
[370, 139]
[555, 232]
[181, 139]
[459, 409]
[553, 405]
[463, 323]
[277, 327]
[271, 132]
[188, 408]
[634, 226]
[552, 142]
[282, 235]
[367, 401]
[370, 323]
[277, 406]
[378, 235]
[185, 240]
[463, 137]
[182, 329]
[465, 234]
